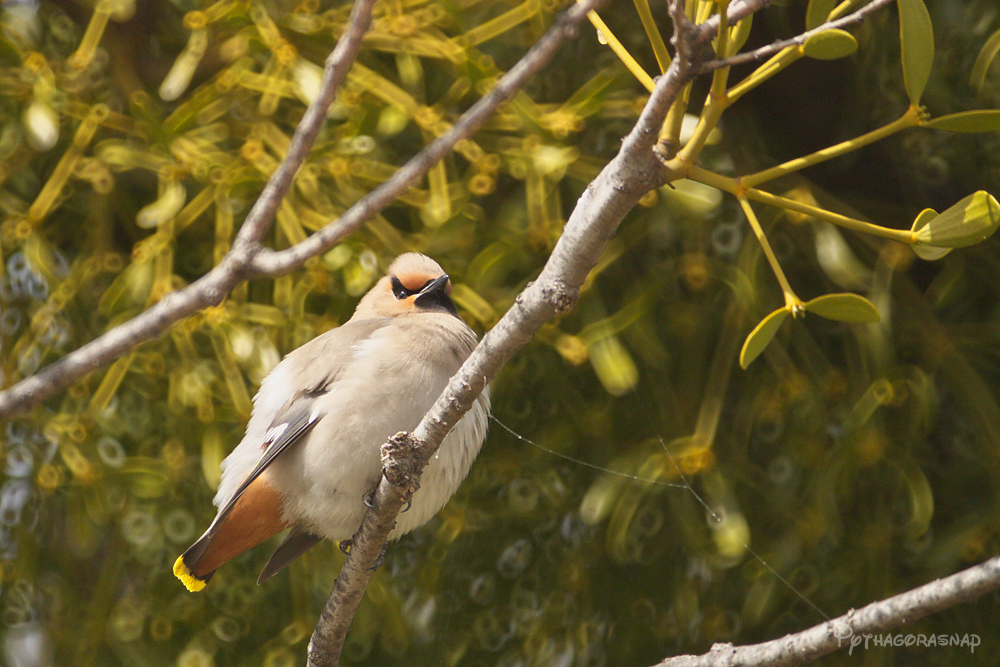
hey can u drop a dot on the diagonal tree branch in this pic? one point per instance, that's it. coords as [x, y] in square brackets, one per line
[211, 288]
[248, 258]
[338, 64]
[593, 222]
[848, 630]
[270, 262]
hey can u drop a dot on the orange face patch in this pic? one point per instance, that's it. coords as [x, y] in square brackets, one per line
[414, 282]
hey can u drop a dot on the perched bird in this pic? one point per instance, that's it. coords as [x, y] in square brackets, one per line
[312, 448]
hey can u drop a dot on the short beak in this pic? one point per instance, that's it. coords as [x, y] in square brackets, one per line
[434, 297]
[439, 284]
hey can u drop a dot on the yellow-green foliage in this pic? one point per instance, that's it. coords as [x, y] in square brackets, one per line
[856, 460]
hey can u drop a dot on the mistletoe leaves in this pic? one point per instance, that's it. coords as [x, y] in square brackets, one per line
[982, 120]
[990, 51]
[970, 221]
[916, 36]
[830, 45]
[845, 307]
[761, 336]
[927, 252]
[818, 12]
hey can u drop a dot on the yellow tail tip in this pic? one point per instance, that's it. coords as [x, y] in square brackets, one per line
[190, 581]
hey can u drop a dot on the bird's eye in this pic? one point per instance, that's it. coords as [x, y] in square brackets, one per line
[398, 290]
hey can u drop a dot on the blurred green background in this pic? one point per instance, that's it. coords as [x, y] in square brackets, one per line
[847, 464]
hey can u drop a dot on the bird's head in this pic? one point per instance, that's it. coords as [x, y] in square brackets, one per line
[415, 284]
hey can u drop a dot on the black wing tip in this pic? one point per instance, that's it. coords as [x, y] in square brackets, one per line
[268, 573]
[294, 545]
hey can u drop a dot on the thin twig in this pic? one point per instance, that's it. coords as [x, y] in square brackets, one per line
[738, 10]
[337, 65]
[682, 38]
[248, 258]
[271, 263]
[849, 630]
[211, 288]
[593, 222]
[775, 47]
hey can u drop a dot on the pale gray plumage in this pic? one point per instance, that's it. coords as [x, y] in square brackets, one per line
[360, 383]
[324, 411]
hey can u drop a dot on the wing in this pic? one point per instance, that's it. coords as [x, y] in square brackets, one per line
[250, 512]
[286, 393]
[297, 543]
[251, 516]
[290, 428]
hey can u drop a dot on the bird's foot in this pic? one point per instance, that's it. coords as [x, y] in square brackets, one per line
[345, 546]
[380, 559]
[369, 498]
[401, 462]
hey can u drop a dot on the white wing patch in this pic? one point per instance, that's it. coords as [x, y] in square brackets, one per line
[275, 432]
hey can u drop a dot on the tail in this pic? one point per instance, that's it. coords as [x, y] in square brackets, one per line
[255, 516]
[183, 571]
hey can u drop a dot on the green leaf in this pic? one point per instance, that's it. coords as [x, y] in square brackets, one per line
[983, 120]
[990, 50]
[844, 307]
[818, 12]
[923, 218]
[927, 252]
[614, 366]
[738, 35]
[761, 336]
[968, 222]
[830, 45]
[916, 35]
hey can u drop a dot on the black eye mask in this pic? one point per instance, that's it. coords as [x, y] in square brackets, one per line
[431, 296]
[401, 292]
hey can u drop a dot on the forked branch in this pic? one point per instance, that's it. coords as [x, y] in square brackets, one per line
[248, 258]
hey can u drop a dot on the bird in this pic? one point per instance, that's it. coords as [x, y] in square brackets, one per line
[311, 451]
